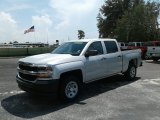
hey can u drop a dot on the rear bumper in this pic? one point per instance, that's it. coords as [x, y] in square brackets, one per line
[157, 55]
[40, 87]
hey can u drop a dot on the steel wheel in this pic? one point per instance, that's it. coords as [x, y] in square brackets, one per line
[71, 89]
[132, 72]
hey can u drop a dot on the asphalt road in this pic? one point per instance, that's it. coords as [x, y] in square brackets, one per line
[109, 99]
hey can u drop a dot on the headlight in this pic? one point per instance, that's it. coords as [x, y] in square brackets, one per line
[49, 69]
[45, 71]
[44, 75]
[44, 68]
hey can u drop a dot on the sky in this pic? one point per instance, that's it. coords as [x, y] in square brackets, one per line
[53, 20]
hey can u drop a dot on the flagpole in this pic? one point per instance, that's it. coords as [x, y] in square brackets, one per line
[35, 36]
[47, 35]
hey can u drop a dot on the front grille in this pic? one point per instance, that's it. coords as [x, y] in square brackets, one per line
[28, 67]
[29, 71]
[27, 76]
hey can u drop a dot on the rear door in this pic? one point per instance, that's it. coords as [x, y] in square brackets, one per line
[113, 62]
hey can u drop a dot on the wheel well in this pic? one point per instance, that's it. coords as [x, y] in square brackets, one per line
[133, 62]
[77, 73]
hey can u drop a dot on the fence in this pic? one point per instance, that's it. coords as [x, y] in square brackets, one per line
[7, 52]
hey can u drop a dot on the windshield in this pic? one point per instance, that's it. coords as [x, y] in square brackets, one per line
[73, 48]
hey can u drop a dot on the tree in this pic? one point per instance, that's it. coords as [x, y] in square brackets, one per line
[109, 14]
[15, 42]
[129, 20]
[81, 34]
[139, 24]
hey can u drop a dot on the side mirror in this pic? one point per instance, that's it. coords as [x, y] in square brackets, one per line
[91, 53]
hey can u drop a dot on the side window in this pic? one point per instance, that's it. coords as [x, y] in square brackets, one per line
[126, 44]
[158, 43]
[96, 46]
[122, 44]
[138, 44]
[111, 46]
[142, 44]
[149, 44]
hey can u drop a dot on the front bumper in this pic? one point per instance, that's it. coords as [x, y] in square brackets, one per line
[39, 87]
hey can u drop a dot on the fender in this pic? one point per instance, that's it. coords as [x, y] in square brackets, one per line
[131, 56]
[66, 67]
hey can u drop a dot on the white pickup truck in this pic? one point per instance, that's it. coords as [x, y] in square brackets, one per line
[74, 63]
[153, 50]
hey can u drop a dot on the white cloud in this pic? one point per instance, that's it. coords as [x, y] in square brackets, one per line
[5, 19]
[73, 6]
[8, 27]
[16, 7]
[42, 25]
[10, 31]
[72, 15]
[59, 19]
[72, 10]
[43, 21]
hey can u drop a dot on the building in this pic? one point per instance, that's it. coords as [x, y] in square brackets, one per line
[24, 45]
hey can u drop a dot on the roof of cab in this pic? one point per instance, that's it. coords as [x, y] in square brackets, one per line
[97, 39]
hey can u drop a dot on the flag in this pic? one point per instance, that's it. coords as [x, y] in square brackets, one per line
[29, 30]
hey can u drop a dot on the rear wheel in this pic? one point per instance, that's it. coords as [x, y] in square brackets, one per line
[130, 74]
[146, 57]
[69, 88]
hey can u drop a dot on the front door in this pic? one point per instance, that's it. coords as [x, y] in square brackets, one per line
[94, 64]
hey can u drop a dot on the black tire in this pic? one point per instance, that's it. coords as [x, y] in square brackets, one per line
[155, 59]
[146, 57]
[130, 74]
[69, 88]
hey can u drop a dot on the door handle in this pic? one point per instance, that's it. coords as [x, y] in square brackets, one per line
[119, 56]
[103, 58]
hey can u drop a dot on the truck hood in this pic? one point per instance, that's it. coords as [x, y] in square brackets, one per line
[50, 59]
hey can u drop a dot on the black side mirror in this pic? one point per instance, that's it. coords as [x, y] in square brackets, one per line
[91, 53]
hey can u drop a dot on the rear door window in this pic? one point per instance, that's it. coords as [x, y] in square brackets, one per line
[111, 46]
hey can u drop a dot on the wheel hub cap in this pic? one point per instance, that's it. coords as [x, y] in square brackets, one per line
[132, 72]
[71, 89]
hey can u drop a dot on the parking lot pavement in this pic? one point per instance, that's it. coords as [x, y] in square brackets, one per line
[109, 99]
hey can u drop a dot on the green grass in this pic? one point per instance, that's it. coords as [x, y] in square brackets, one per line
[9, 52]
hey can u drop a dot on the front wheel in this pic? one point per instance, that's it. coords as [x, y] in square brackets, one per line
[130, 74]
[69, 88]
